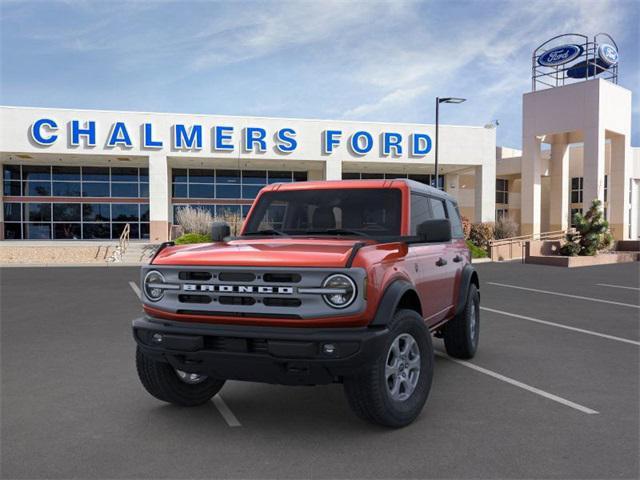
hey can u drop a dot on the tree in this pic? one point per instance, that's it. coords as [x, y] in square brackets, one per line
[591, 235]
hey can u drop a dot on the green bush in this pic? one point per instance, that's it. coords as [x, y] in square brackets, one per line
[476, 252]
[188, 238]
[591, 235]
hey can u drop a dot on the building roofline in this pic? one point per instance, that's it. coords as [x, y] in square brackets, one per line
[18, 107]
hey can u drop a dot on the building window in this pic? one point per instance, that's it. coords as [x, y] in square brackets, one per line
[74, 221]
[66, 213]
[209, 184]
[63, 181]
[576, 190]
[502, 190]
[606, 187]
[426, 179]
[502, 213]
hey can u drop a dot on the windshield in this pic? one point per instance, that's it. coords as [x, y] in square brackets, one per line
[371, 212]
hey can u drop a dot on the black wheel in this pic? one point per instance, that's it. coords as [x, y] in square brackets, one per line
[393, 389]
[461, 334]
[175, 386]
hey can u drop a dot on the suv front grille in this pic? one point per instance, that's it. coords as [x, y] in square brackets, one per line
[252, 292]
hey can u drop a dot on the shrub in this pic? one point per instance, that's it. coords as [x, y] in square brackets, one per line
[233, 219]
[476, 252]
[505, 227]
[466, 227]
[194, 220]
[188, 238]
[481, 234]
[591, 233]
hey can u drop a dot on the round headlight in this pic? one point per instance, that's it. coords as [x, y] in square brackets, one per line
[344, 291]
[151, 288]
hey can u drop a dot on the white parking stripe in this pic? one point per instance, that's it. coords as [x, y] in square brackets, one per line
[590, 299]
[617, 286]
[226, 412]
[136, 290]
[566, 327]
[524, 386]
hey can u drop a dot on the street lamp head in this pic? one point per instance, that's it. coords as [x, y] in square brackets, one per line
[451, 100]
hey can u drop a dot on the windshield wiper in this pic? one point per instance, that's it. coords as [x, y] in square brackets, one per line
[267, 231]
[336, 231]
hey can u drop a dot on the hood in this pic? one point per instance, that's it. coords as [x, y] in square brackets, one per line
[271, 252]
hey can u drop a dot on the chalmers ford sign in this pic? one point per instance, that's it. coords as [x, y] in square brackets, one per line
[46, 132]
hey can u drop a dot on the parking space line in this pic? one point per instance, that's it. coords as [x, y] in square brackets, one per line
[579, 297]
[136, 289]
[226, 412]
[617, 286]
[524, 386]
[566, 327]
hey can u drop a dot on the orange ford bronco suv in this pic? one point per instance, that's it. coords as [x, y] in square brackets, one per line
[328, 282]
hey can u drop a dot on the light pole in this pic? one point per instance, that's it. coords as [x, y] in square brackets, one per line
[438, 102]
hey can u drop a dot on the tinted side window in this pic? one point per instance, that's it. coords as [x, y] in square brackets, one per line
[454, 217]
[420, 211]
[437, 207]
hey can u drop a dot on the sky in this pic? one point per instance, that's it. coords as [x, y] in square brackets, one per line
[344, 60]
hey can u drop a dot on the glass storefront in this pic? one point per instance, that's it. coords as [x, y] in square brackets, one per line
[208, 189]
[114, 197]
[426, 179]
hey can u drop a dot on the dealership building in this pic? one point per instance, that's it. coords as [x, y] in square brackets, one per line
[86, 174]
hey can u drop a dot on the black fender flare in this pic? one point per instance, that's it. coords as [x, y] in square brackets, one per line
[468, 277]
[389, 302]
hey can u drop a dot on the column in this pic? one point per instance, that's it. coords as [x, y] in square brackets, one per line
[332, 169]
[531, 188]
[485, 192]
[618, 188]
[159, 197]
[559, 204]
[593, 167]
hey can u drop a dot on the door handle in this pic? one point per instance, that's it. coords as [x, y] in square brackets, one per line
[441, 262]
[457, 259]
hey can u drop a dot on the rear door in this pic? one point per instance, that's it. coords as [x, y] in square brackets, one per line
[430, 279]
[445, 264]
[458, 247]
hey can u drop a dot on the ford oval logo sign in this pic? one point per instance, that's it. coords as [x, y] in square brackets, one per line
[608, 54]
[560, 55]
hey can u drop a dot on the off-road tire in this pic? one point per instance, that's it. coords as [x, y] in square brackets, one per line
[460, 339]
[161, 380]
[367, 392]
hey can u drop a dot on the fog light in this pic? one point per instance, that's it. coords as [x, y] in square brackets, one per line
[157, 338]
[329, 348]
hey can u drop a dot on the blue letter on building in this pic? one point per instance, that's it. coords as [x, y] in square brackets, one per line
[119, 136]
[421, 144]
[184, 139]
[286, 141]
[147, 138]
[355, 142]
[391, 140]
[255, 135]
[330, 141]
[36, 133]
[89, 131]
[221, 137]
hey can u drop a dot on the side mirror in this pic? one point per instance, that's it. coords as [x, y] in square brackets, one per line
[219, 231]
[434, 231]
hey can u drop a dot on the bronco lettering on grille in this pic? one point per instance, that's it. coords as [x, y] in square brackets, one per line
[192, 287]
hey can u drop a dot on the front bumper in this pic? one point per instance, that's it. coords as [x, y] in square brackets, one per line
[282, 355]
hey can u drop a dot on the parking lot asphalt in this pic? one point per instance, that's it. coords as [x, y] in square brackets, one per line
[552, 393]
